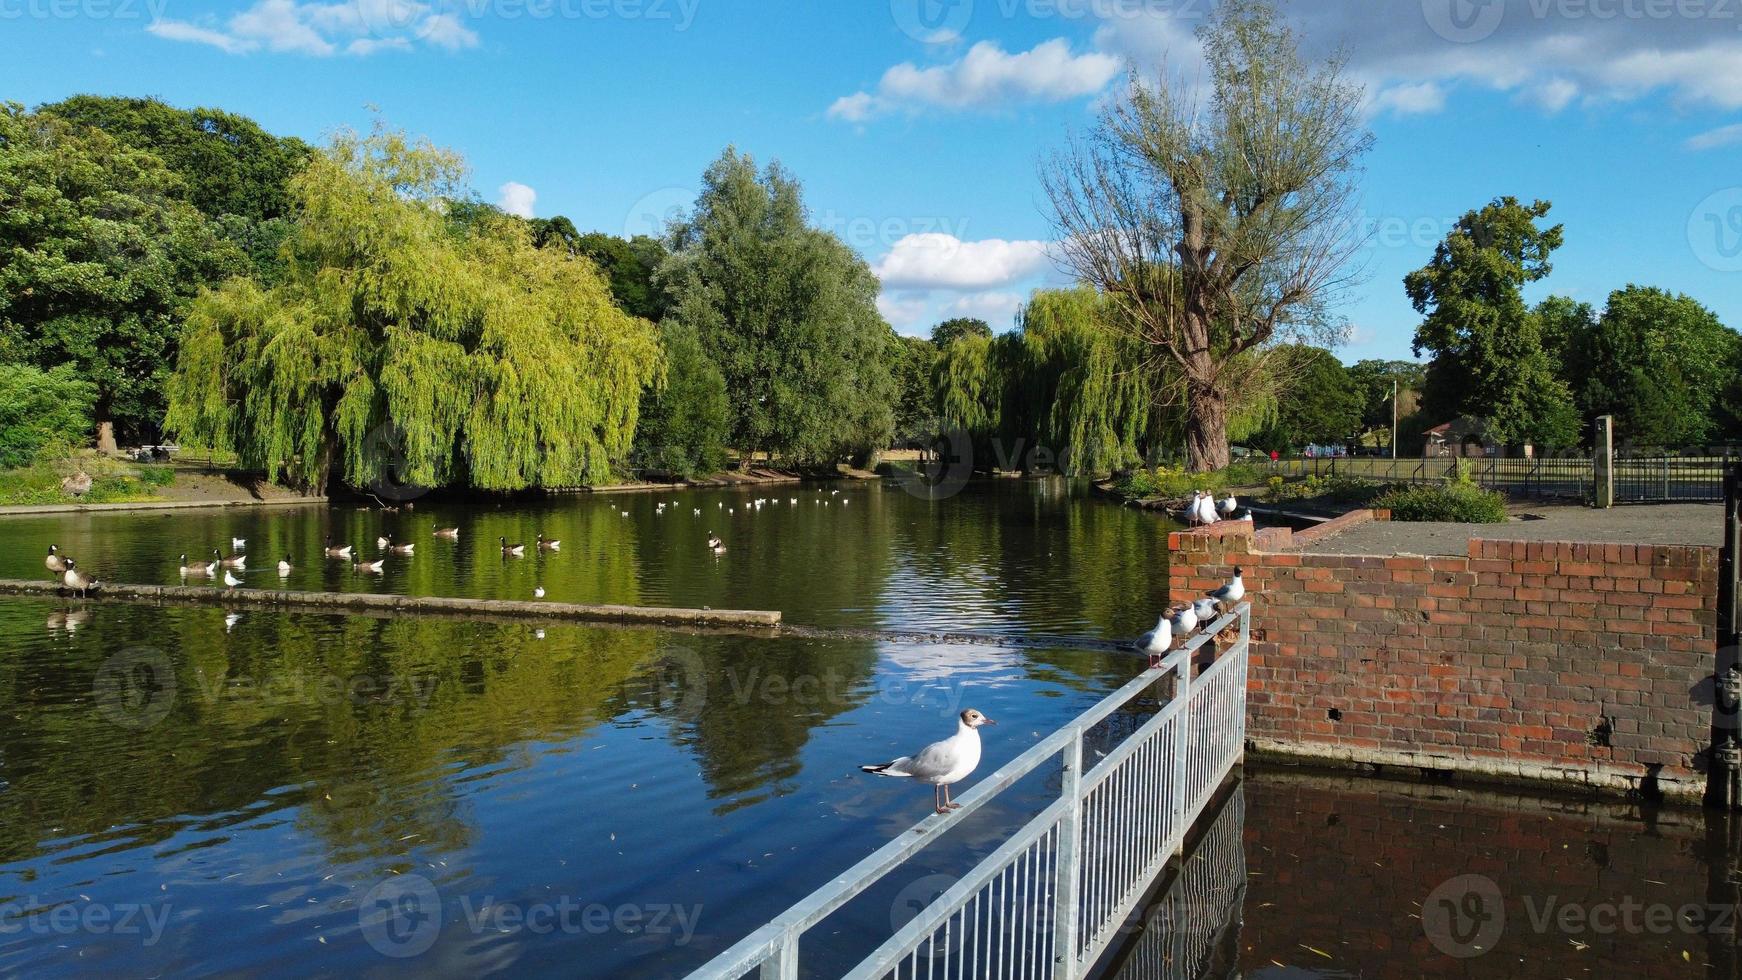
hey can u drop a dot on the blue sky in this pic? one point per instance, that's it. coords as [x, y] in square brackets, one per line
[917, 126]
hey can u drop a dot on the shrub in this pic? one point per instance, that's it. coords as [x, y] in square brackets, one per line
[41, 413]
[1454, 502]
[1165, 481]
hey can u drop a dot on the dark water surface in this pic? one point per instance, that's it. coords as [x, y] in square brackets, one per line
[1029, 556]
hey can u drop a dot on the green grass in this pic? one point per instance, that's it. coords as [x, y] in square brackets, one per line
[111, 483]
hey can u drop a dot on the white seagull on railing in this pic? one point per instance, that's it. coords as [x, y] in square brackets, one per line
[1157, 642]
[1231, 593]
[942, 763]
[1185, 622]
[1205, 610]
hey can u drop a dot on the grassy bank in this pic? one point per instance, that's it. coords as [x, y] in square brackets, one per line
[112, 482]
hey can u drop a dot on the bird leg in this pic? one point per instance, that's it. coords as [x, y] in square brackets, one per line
[937, 800]
[948, 805]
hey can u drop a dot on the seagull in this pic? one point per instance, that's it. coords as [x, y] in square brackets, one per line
[538, 592]
[1157, 642]
[516, 550]
[56, 564]
[451, 533]
[197, 571]
[230, 580]
[1185, 621]
[1229, 505]
[941, 763]
[1207, 508]
[332, 552]
[237, 544]
[284, 566]
[77, 580]
[1194, 515]
[1246, 515]
[547, 545]
[1205, 610]
[698, 511]
[1231, 593]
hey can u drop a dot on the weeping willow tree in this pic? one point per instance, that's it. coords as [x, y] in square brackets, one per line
[402, 347]
[1093, 381]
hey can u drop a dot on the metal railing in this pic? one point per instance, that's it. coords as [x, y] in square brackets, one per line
[1196, 920]
[1638, 479]
[1054, 895]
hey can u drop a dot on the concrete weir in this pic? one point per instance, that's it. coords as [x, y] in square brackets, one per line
[374, 602]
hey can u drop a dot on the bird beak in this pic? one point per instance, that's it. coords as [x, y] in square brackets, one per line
[986, 721]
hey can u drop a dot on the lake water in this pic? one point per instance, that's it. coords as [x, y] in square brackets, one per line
[190, 794]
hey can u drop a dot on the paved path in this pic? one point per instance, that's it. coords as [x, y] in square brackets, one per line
[1699, 524]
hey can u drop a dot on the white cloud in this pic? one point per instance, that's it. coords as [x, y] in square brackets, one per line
[176, 30]
[987, 77]
[1717, 138]
[355, 27]
[1411, 99]
[993, 307]
[935, 260]
[516, 198]
[446, 31]
[904, 311]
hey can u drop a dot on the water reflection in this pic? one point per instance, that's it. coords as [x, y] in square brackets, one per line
[1032, 556]
[256, 783]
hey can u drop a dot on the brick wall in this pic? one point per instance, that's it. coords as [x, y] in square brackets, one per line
[1588, 663]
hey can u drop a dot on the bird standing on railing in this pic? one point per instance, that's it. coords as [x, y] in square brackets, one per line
[941, 763]
[1231, 593]
[1185, 621]
[1157, 642]
[1207, 612]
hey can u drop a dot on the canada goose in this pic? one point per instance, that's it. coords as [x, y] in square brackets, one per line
[548, 545]
[54, 562]
[451, 533]
[234, 561]
[370, 567]
[230, 580]
[77, 580]
[284, 566]
[398, 549]
[512, 549]
[206, 570]
[332, 552]
[383, 541]
[237, 544]
[716, 545]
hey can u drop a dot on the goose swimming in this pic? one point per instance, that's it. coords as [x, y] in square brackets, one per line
[451, 533]
[370, 567]
[332, 552]
[197, 571]
[545, 544]
[515, 550]
[941, 763]
[284, 566]
[234, 561]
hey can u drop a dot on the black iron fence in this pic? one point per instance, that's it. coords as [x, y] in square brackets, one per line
[1638, 479]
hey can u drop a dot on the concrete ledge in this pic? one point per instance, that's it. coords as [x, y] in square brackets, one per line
[1336, 526]
[32, 510]
[1594, 779]
[349, 601]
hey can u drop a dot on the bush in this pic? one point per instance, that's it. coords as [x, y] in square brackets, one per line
[1165, 481]
[684, 423]
[1454, 502]
[1335, 489]
[41, 413]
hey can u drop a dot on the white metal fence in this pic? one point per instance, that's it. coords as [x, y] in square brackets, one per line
[1196, 923]
[1053, 897]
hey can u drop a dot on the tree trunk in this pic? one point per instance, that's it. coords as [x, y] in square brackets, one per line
[1206, 428]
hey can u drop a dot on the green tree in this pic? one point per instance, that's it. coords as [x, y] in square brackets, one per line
[1215, 220]
[1087, 378]
[41, 410]
[1322, 404]
[789, 314]
[1488, 356]
[629, 266]
[684, 421]
[236, 173]
[1659, 362]
[1374, 379]
[915, 409]
[945, 333]
[99, 252]
[401, 346]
